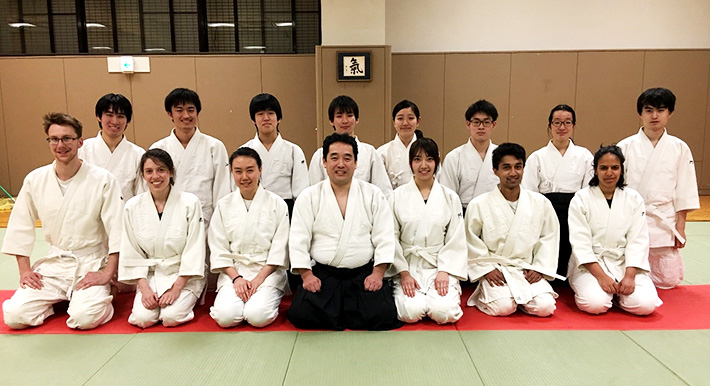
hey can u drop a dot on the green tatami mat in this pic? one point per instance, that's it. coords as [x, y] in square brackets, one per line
[564, 358]
[695, 258]
[392, 358]
[227, 358]
[686, 353]
[55, 359]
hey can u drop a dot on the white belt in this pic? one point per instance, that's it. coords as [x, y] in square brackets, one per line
[56, 252]
[653, 210]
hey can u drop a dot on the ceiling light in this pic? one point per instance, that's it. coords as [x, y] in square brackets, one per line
[95, 25]
[154, 49]
[284, 24]
[101, 48]
[20, 25]
[254, 47]
[221, 25]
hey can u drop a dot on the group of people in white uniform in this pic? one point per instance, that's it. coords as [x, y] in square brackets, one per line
[369, 238]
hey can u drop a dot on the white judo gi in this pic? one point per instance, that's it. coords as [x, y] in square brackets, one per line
[369, 168]
[547, 171]
[159, 249]
[283, 167]
[664, 175]
[123, 163]
[431, 238]
[464, 172]
[201, 168]
[616, 238]
[395, 157]
[510, 242]
[248, 240]
[82, 227]
[319, 231]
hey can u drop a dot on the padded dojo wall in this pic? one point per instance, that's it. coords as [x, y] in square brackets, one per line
[33, 86]
[602, 87]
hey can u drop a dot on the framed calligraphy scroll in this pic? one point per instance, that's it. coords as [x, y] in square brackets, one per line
[354, 66]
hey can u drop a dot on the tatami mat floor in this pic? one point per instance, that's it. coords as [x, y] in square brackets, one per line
[678, 357]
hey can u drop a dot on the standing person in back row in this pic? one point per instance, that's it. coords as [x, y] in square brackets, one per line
[201, 165]
[468, 170]
[284, 170]
[344, 116]
[395, 153]
[111, 149]
[558, 170]
[660, 167]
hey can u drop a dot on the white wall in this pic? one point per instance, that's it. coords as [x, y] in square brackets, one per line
[539, 25]
[353, 22]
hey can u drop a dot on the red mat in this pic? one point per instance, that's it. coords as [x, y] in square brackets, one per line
[684, 308]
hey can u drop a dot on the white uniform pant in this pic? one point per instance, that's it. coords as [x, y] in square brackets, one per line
[667, 267]
[88, 308]
[260, 310]
[591, 298]
[427, 301]
[502, 303]
[175, 314]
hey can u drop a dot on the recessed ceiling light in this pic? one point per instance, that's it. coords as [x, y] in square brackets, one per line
[20, 25]
[254, 47]
[221, 25]
[95, 25]
[101, 48]
[154, 50]
[284, 24]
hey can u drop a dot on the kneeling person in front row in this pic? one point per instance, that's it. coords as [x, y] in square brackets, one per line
[346, 226]
[430, 254]
[163, 247]
[513, 242]
[609, 237]
[79, 205]
[248, 240]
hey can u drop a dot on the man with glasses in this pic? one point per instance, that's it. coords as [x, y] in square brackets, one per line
[80, 206]
[468, 169]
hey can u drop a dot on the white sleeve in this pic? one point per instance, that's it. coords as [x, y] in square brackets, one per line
[299, 176]
[315, 169]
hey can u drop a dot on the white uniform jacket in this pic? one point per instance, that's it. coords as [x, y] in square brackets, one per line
[547, 171]
[201, 168]
[499, 238]
[250, 239]
[395, 157]
[284, 169]
[464, 172]
[319, 231]
[431, 231]
[123, 163]
[83, 224]
[615, 237]
[163, 248]
[665, 177]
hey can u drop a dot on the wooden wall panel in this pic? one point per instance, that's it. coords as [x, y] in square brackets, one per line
[538, 82]
[468, 78]
[226, 85]
[148, 91]
[32, 87]
[608, 84]
[686, 74]
[372, 97]
[292, 79]
[704, 175]
[87, 80]
[420, 78]
[4, 146]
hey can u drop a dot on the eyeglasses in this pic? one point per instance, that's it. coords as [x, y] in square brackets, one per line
[560, 123]
[477, 123]
[65, 140]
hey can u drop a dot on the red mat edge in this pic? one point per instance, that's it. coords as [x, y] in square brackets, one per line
[473, 319]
